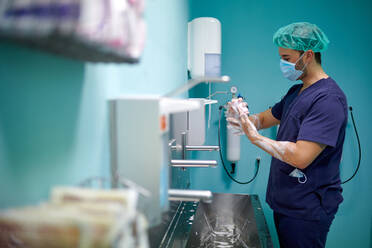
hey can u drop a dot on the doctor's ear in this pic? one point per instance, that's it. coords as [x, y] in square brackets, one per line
[309, 55]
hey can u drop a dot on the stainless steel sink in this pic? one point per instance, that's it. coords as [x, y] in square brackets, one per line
[228, 222]
[231, 220]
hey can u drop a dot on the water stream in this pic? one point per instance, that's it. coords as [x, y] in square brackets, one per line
[222, 236]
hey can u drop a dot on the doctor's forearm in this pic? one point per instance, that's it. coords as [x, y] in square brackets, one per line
[264, 120]
[297, 154]
[283, 150]
[255, 119]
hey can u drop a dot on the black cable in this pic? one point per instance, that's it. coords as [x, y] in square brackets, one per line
[258, 160]
[359, 147]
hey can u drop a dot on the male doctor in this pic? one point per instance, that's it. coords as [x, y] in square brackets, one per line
[304, 187]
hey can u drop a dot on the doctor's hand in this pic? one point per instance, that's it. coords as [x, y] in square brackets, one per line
[232, 112]
[248, 127]
[234, 106]
[232, 115]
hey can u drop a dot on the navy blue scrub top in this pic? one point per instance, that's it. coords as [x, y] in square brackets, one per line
[318, 114]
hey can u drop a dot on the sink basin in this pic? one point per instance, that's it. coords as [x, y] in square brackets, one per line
[229, 221]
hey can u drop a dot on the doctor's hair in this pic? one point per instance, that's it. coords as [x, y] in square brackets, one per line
[318, 57]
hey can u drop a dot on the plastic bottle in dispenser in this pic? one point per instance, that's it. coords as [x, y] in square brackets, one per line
[233, 140]
[233, 146]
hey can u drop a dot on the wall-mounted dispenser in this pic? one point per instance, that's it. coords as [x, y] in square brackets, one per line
[204, 47]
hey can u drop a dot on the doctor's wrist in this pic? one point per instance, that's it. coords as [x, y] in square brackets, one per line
[254, 137]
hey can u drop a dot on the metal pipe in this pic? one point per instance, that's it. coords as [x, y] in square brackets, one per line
[190, 195]
[193, 163]
[197, 148]
[202, 148]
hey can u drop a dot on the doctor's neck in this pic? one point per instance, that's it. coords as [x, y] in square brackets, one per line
[312, 74]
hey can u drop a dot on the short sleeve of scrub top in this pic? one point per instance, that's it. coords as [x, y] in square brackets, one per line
[277, 110]
[323, 122]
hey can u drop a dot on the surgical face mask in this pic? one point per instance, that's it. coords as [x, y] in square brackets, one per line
[289, 70]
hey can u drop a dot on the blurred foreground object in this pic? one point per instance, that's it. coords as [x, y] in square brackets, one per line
[98, 31]
[77, 217]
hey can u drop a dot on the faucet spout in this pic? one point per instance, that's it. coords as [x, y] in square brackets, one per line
[190, 195]
[193, 163]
